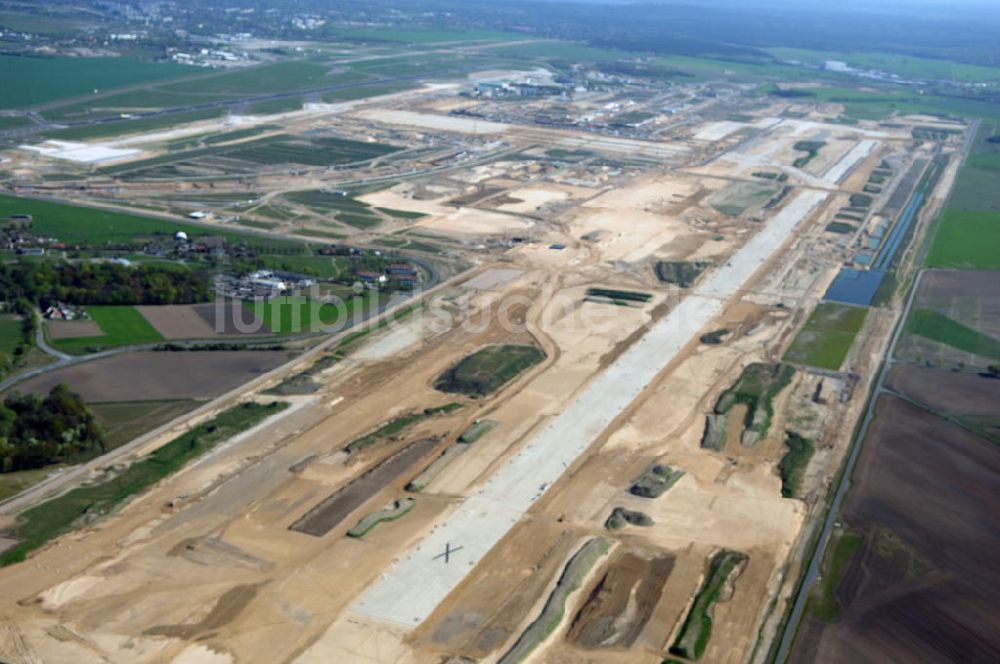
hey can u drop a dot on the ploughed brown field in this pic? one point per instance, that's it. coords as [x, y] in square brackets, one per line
[230, 318]
[955, 393]
[922, 585]
[178, 321]
[152, 375]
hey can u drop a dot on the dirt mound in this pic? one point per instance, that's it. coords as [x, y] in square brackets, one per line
[621, 602]
[655, 482]
[620, 517]
[226, 608]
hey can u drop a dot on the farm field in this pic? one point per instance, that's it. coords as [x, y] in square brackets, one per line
[298, 314]
[827, 336]
[966, 240]
[935, 326]
[124, 421]
[74, 224]
[919, 571]
[969, 397]
[277, 77]
[121, 326]
[975, 189]
[159, 375]
[955, 320]
[123, 102]
[906, 66]
[27, 81]
[133, 126]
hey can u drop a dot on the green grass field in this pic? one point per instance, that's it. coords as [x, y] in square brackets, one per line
[74, 224]
[7, 123]
[967, 240]
[987, 162]
[827, 336]
[976, 186]
[350, 94]
[907, 66]
[124, 102]
[345, 209]
[277, 77]
[297, 314]
[136, 126]
[935, 326]
[275, 106]
[878, 104]
[561, 50]
[324, 267]
[10, 335]
[122, 326]
[425, 36]
[27, 81]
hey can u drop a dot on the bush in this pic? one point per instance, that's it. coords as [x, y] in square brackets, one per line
[36, 432]
[793, 464]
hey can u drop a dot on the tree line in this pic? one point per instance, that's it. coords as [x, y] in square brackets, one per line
[39, 431]
[46, 282]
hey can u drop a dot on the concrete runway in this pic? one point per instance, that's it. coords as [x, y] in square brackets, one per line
[410, 591]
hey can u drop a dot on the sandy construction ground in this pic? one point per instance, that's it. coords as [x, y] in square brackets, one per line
[81, 152]
[208, 566]
[716, 131]
[439, 122]
[470, 221]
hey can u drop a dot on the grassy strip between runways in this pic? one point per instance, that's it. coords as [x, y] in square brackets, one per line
[693, 638]
[398, 425]
[555, 607]
[793, 465]
[935, 326]
[86, 504]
